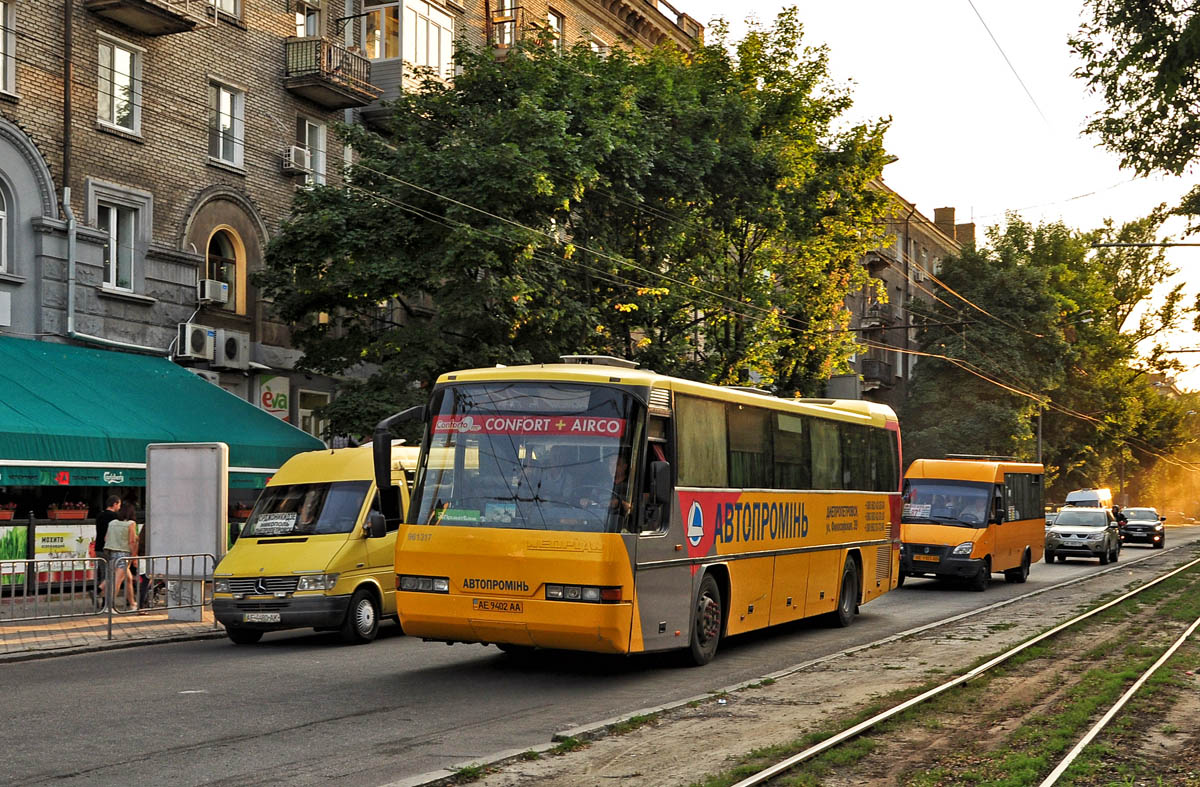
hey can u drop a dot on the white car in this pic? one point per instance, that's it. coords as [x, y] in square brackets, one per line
[1083, 532]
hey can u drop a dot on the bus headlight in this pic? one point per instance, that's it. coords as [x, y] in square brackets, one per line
[964, 548]
[317, 582]
[592, 594]
[419, 584]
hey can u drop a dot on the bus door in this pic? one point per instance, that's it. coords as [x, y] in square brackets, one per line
[663, 571]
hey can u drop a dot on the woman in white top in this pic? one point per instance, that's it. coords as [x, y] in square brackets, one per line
[121, 542]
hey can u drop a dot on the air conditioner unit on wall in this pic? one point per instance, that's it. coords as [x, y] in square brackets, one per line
[297, 160]
[212, 377]
[213, 291]
[195, 341]
[231, 350]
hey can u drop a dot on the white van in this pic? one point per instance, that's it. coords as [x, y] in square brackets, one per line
[1090, 498]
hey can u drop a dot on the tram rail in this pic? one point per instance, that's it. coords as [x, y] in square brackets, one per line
[765, 775]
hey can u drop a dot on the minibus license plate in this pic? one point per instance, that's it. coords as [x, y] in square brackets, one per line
[931, 558]
[260, 617]
[496, 605]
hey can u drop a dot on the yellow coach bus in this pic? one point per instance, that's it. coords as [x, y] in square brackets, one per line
[967, 517]
[592, 506]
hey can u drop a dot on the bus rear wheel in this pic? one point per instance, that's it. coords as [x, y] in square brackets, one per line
[706, 622]
[847, 605]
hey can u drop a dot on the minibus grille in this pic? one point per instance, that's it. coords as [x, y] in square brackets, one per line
[258, 606]
[255, 586]
[941, 550]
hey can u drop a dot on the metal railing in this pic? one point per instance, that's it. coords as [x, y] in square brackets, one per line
[329, 60]
[72, 587]
[874, 369]
[507, 26]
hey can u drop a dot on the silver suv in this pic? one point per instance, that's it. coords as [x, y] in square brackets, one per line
[1083, 532]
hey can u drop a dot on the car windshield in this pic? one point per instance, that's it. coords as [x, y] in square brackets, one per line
[961, 503]
[537, 456]
[1093, 518]
[1140, 513]
[307, 509]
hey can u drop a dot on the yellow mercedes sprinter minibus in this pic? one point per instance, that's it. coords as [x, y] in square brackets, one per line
[968, 517]
[315, 551]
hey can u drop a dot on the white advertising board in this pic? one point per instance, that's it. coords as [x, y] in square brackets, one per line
[187, 499]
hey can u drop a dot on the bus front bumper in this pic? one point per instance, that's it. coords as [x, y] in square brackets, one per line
[946, 566]
[564, 625]
[269, 614]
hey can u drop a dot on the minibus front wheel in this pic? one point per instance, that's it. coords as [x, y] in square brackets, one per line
[362, 618]
[241, 636]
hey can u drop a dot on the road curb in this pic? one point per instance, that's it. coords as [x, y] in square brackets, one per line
[116, 644]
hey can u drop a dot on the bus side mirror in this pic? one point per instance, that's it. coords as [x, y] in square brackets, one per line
[660, 482]
[376, 525]
[381, 450]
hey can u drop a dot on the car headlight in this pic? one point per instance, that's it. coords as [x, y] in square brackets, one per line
[1096, 536]
[317, 582]
[1158, 526]
[964, 548]
[220, 585]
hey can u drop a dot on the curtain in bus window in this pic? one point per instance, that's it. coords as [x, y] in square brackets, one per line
[793, 458]
[826, 454]
[884, 460]
[700, 425]
[749, 447]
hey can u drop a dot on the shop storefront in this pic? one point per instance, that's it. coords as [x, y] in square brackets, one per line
[74, 426]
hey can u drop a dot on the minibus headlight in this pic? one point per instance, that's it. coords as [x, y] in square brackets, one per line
[964, 548]
[414, 583]
[220, 585]
[317, 582]
[593, 594]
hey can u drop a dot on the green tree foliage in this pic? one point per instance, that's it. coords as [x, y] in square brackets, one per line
[703, 214]
[1062, 337]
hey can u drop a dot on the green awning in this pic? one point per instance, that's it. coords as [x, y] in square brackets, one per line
[65, 404]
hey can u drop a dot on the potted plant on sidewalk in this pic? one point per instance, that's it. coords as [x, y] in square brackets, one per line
[7, 511]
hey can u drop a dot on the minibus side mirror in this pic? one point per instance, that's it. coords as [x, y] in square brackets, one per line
[660, 482]
[998, 512]
[376, 525]
[381, 450]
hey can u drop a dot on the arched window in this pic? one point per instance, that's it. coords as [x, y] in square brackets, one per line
[3, 234]
[223, 255]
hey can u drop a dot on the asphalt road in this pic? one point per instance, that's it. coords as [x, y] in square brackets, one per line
[299, 708]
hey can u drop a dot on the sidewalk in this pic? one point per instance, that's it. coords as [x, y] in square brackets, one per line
[33, 639]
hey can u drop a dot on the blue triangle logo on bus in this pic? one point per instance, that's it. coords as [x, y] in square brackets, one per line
[695, 524]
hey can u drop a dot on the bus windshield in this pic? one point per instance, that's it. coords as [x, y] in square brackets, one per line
[961, 503]
[536, 456]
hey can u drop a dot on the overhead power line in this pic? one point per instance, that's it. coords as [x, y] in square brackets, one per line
[1011, 67]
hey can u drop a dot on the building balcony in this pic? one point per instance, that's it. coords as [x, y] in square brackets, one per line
[506, 28]
[328, 73]
[879, 315]
[154, 17]
[876, 371]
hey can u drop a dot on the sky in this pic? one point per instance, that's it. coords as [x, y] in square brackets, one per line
[967, 133]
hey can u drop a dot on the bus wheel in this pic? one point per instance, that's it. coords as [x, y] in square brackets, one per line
[241, 636]
[1019, 575]
[983, 578]
[706, 622]
[362, 618]
[848, 597]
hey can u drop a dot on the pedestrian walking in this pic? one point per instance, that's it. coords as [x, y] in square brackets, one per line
[120, 543]
[112, 507]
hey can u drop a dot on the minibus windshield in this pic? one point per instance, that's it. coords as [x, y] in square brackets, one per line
[960, 503]
[529, 455]
[307, 509]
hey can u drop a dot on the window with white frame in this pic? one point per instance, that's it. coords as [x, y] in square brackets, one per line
[308, 19]
[226, 132]
[599, 46]
[229, 7]
[119, 223]
[381, 33]
[558, 28]
[8, 39]
[429, 37]
[120, 85]
[310, 135]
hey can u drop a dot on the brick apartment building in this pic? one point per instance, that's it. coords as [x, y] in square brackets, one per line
[186, 128]
[906, 269]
